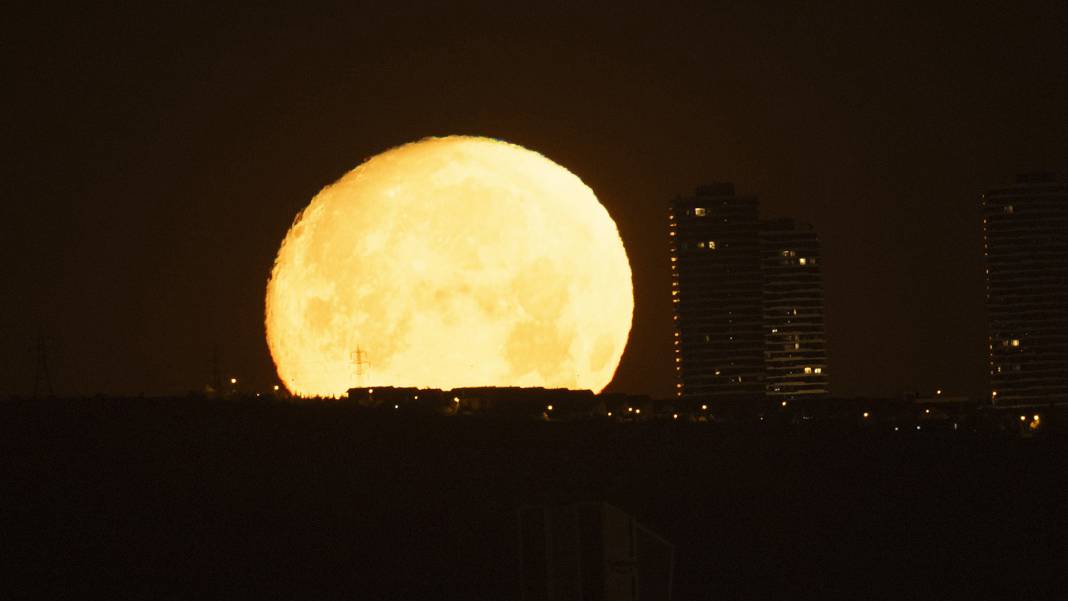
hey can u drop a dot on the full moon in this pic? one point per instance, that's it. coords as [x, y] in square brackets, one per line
[450, 262]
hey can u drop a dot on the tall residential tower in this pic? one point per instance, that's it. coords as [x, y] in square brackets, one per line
[717, 295]
[1025, 229]
[795, 355]
[748, 301]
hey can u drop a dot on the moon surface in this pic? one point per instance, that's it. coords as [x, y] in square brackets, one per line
[450, 262]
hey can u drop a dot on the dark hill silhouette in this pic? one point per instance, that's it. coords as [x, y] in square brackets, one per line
[189, 498]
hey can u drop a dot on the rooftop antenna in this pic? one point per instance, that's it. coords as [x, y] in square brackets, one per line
[359, 359]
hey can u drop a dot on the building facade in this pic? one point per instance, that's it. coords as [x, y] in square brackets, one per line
[1025, 231]
[795, 353]
[717, 291]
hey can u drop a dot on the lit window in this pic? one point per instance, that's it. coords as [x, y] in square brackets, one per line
[717, 372]
[808, 370]
[802, 261]
[818, 370]
[700, 245]
[1015, 342]
[711, 245]
[699, 211]
[774, 330]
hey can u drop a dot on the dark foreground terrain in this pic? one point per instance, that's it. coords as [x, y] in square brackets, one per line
[157, 499]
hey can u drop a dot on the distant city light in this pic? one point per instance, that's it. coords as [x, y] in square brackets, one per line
[866, 415]
[548, 407]
[233, 380]
[276, 387]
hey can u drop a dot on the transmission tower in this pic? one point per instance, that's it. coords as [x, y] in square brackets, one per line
[359, 360]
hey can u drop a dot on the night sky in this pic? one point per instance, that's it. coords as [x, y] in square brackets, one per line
[156, 159]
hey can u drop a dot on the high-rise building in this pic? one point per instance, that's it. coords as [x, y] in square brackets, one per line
[795, 355]
[1025, 229]
[717, 294]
